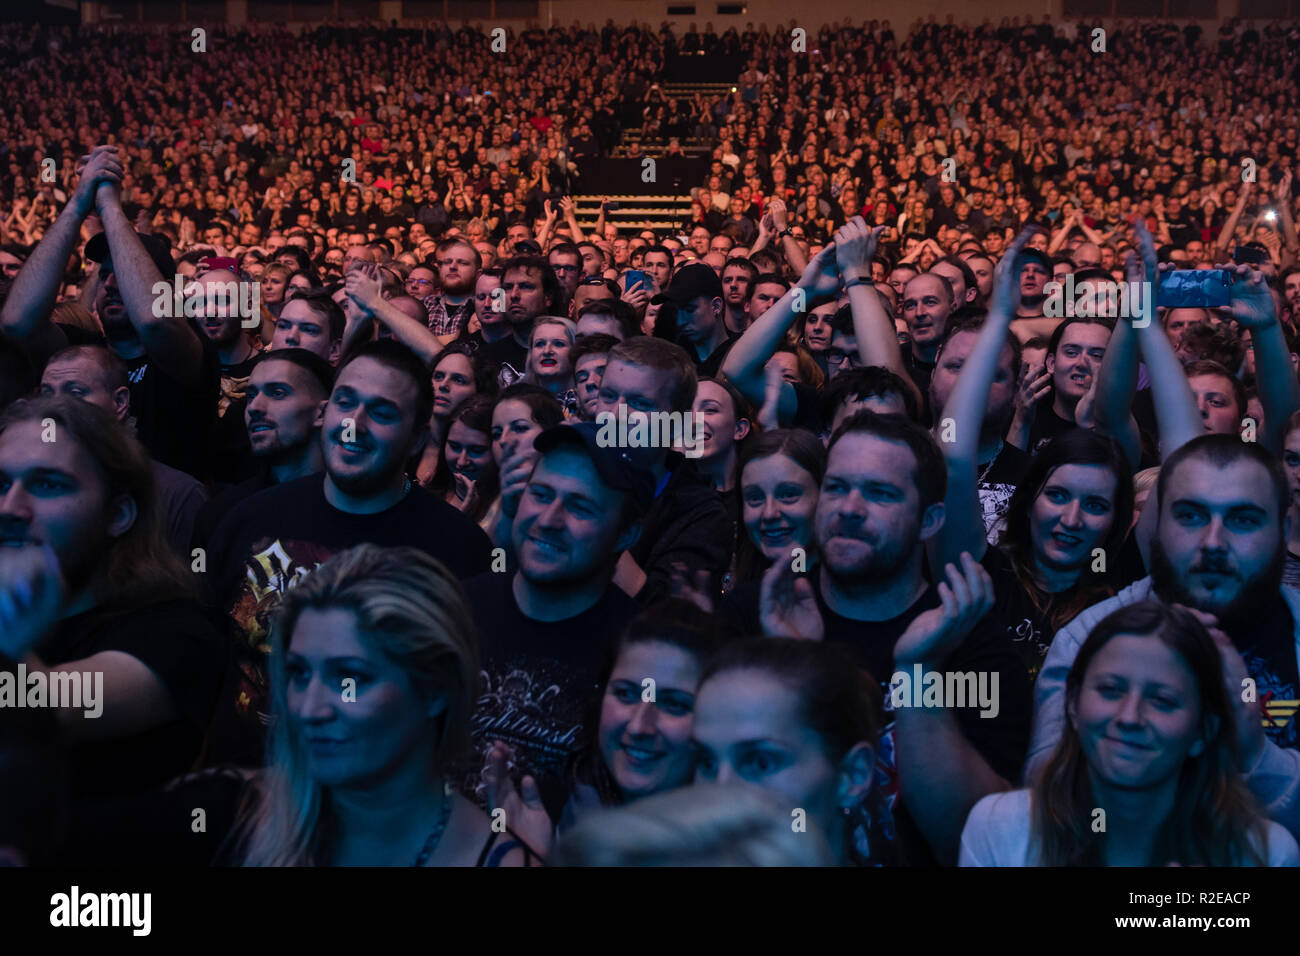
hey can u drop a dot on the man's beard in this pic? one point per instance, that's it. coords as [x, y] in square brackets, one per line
[994, 424]
[1238, 615]
[523, 323]
[461, 288]
[883, 564]
[228, 336]
[119, 329]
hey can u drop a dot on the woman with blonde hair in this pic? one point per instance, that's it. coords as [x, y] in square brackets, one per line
[275, 285]
[374, 670]
[1144, 482]
[548, 364]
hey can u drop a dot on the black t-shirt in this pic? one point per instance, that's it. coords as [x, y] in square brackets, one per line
[921, 373]
[177, 642]
[216, 508]
[709, 367]
[1047, 425]
[1029, 628]
[686, 525]
[808, 409]
[156, 827]
[230, 454]
[351, 221]
[539, 681]
[1001, 740]
[269, 542]
[1270, 655]
[501, 353]
[998, 484]
[174, 420]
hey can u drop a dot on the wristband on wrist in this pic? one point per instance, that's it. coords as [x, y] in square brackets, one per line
[860, 280]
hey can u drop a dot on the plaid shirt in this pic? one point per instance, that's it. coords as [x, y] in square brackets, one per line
[444, 322]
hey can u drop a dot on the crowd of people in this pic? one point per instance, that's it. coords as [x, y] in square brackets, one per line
[335, 450]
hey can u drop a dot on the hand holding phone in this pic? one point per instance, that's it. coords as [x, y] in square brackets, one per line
[1195, 289]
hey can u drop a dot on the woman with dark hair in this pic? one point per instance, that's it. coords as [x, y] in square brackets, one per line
[467, 476]
[639, 725]
[1065, 545]
[520, 413]
[1149, 753]
[780, 480]
[459, 374]
[800, 720]
[361, 780]
[1291, 464]
[724, 420]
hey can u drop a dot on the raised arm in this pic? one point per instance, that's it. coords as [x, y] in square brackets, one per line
[168, 340]
[1117, 378]
[794, 254]
[963, 526]
[1060, 235]
[569, 211]
[548, 225]
[26, 313]
[1253, 307]
[1230, 224]
[873, 327]
[1175, 406]
[745, 362]
[365, 289]
[1291, 242]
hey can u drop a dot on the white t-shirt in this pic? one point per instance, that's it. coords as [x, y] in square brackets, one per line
[997, 834]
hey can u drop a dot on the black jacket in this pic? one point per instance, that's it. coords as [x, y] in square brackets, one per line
[687, 524]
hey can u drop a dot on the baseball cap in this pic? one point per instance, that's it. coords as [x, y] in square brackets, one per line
[629, 470]
[158, 247]
[694, 281]
[1029, 254]
[219, 263]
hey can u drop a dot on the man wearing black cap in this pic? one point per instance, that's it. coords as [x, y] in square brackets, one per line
[543, 630]
[172, 371]
[696, 290]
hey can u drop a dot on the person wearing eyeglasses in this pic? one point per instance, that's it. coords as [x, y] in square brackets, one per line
[421, 283]
[566, 259]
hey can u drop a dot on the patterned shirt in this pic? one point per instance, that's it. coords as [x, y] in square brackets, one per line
[444, 321]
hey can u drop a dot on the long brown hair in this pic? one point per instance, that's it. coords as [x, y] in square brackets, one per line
[139, 566]
[1214, 820]
[1075, 446]
[807, 452]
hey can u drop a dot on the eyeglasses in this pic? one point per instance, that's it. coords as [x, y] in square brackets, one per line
[839, 357]
[567, 268]
[419, 282]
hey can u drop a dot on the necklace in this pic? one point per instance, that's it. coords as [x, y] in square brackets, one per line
[989, 466]
[431, 844]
